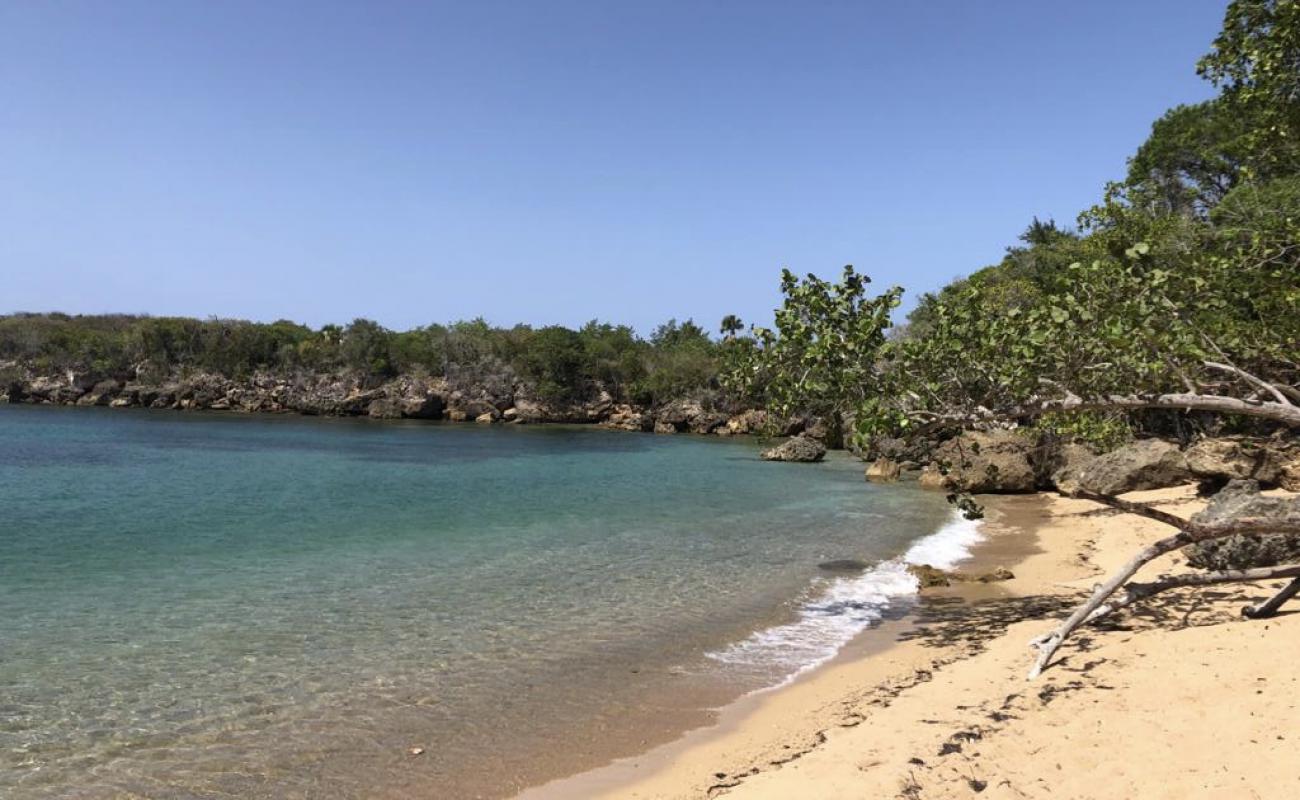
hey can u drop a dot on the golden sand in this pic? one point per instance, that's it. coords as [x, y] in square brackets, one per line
[1180, 698]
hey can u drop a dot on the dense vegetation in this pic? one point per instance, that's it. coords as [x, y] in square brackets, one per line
[1180, 289]
[562, 364]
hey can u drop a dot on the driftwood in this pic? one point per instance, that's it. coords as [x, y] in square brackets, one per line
[1189, 532]
[1133, 592]
[1270, 606]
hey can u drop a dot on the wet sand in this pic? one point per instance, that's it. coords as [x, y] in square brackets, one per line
[1179, 698]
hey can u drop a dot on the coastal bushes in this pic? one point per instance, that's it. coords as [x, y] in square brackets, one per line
[679, 360]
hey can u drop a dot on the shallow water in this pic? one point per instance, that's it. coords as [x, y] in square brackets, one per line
[210, 606]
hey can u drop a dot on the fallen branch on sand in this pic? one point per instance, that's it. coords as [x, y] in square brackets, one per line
[1237, 511]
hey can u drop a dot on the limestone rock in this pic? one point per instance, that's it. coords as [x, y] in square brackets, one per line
[385, 408]
[1241, 498]
[883, 470]
[1066, 464]
[929, 577]
[989, 461]
[932, 478]
[1232, 459]
[1145, 464]
[798, 448]
[428, 406]
[747, 422]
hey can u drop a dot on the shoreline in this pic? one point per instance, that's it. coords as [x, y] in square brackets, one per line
[878, 651]
[935, 704]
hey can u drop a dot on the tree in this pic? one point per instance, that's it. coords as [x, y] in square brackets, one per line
[1255, 60]
[821, 356]
[365, 347]
[731, 325]
[1195, 155]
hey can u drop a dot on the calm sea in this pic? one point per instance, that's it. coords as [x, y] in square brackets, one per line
[202, 606]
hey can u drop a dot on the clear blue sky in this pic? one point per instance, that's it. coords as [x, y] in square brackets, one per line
[553, 162]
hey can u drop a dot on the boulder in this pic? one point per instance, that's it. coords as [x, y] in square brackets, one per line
[385, 408]
[627, 418]
[747, 422]
[457, 415]
[427, 406]
[997, 461]
[883, 470]
[101, 394]
[932, 478]
[1289, 476]
[486, 418]
[707, 422]
[1065, 465]
[1145, 464]
[929, 577]
[678, 413]
[1232, 459]
[798, 448]
[1238, 499]
[665, 427]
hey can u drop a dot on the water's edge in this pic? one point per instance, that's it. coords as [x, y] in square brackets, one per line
[837, 623]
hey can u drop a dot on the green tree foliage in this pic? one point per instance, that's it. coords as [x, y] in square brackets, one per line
[1193, 158]
[820, 356]
[1183, 283]
[562, 365]
[681, 361]
[1255, 60]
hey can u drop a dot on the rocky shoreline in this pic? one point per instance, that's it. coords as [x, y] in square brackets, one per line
[405, 397]
[997, 461]
[1020, 461]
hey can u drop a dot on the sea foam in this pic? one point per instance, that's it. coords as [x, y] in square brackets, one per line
[841, 608]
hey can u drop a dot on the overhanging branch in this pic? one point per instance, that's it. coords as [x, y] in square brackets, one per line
[1284, 413]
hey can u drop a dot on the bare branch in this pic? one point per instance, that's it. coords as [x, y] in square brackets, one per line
[1132, 508]
[1258, 383]
[1285, 413]
[1134, 592]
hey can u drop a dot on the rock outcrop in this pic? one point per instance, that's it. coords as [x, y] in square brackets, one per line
[883, 470]
[930, 577]
[1240, 499]
[1234, 458]
[797, 448]
[998, 461]
[1063, 466]
[1145, 464]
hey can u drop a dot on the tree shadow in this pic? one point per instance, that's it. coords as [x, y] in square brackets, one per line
[948, 621]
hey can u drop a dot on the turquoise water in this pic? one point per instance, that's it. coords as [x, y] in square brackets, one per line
[212, 606]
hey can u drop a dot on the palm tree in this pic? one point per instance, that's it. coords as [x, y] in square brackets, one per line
[730, 324]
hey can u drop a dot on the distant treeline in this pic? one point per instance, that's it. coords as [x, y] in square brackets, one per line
[679, 359]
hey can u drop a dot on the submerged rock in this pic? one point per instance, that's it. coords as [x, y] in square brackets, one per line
[798, 448]
[884, 470]
[929, 577]
[844, 565]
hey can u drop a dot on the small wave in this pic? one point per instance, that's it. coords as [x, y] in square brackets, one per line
[848, 606]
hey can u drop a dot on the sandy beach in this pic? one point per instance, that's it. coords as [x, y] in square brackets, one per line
[1181, 697]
